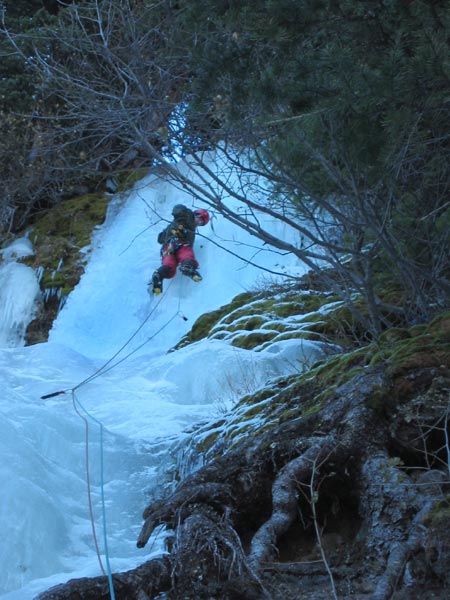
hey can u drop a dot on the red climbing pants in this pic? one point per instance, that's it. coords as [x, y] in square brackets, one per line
[171, 261]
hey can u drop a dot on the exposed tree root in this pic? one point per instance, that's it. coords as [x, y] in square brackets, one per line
[174, 510]
[210, 561]
[403, 550]
[285, 494]
[144, 582]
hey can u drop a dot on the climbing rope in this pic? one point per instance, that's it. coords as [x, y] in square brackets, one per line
[182, 286]
[108, 572]
[105, 368]
[88, 480]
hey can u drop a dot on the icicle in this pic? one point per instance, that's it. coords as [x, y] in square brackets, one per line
[62, 301]
[39, 273]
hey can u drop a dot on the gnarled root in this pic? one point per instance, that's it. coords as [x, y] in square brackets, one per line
[146, 581]
[175, 509]
[427, 495]
[285, 494]
[208, 560]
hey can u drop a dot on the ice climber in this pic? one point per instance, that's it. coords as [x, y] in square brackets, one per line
[177, 241]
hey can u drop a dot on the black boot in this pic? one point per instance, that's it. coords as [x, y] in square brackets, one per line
[196, 276]
[187, 267]
[157, 283]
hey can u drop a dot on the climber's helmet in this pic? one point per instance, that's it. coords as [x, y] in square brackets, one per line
[201, 216]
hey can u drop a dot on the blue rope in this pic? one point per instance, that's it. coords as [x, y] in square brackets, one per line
[102, 494]
[105, 541]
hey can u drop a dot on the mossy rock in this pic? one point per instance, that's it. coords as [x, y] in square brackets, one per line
[207, 442]
[260, 311]
[60, 235]
[257, 397]
[204, 324]
[301, 396]
[253, 308]
[252, 340]
[244, 324]
[339, 369]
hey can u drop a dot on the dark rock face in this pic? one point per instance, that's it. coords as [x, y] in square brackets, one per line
[38, 330]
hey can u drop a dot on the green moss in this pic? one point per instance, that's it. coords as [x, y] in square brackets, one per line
[252, 340]
[206, 443]
[418, 329]
[304, 395]
[297, 335]
[255, 308]
[302, 410]
[290, 413]
[60, 235]
[253, 411]
[290, 304]
[288, 309]
[275, 326]
[55, 279]
[259, 310]
[301, 396]
[259, 396]
[241, 434]
[257, 414]
[400, 348]
[340, 368]
[337, 326]
[439, 327]
[253, 322]
[204, 324]
[428, 347]
[393, 335]
[378, 357]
